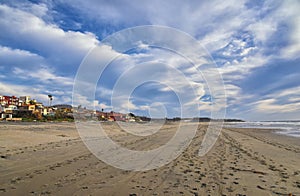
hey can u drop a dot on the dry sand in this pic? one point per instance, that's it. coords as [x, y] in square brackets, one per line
[51, 159]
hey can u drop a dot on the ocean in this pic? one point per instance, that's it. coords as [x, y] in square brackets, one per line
[288, 128]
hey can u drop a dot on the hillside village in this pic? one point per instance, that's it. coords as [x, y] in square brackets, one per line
[23, 108]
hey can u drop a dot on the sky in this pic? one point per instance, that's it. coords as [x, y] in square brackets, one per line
[254, 46]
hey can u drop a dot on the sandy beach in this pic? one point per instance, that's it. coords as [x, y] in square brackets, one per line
[51, 159]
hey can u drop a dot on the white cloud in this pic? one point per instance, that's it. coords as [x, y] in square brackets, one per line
[51, 42]
[43, 75]
[23, 90]
[38, 83]
[278, 105]
[270, 106]
[40, 10]
[22, 58]
[128, 105]
[286, 13]
[30, 39]
[240, 69]
[294, 91]
[290, 10]
[7, 52]
[99, 106]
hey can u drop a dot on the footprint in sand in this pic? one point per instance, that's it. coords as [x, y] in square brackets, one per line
[2, 190]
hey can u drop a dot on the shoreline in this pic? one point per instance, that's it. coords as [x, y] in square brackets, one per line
[270, 133]
[287, 128]
[277, 131]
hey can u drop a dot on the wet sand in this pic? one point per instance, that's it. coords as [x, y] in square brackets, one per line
[51, 159]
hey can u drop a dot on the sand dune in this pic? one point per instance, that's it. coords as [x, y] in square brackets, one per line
[51, 159]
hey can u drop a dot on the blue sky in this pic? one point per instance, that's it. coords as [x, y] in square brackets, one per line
[254, 44]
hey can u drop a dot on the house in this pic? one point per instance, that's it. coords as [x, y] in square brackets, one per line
[64, 108]
[130, 117]
[48, 111]
[8, 112]
[115, 116]
[26, 110]
[1, 111]
[40, 109]
[9, 100]
[102, 116]
[111, 116]
[28, 107]
[24, 100]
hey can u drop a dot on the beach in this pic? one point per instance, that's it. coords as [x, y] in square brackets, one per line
[51, 159]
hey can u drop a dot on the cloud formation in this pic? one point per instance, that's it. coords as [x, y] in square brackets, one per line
[255, 45]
